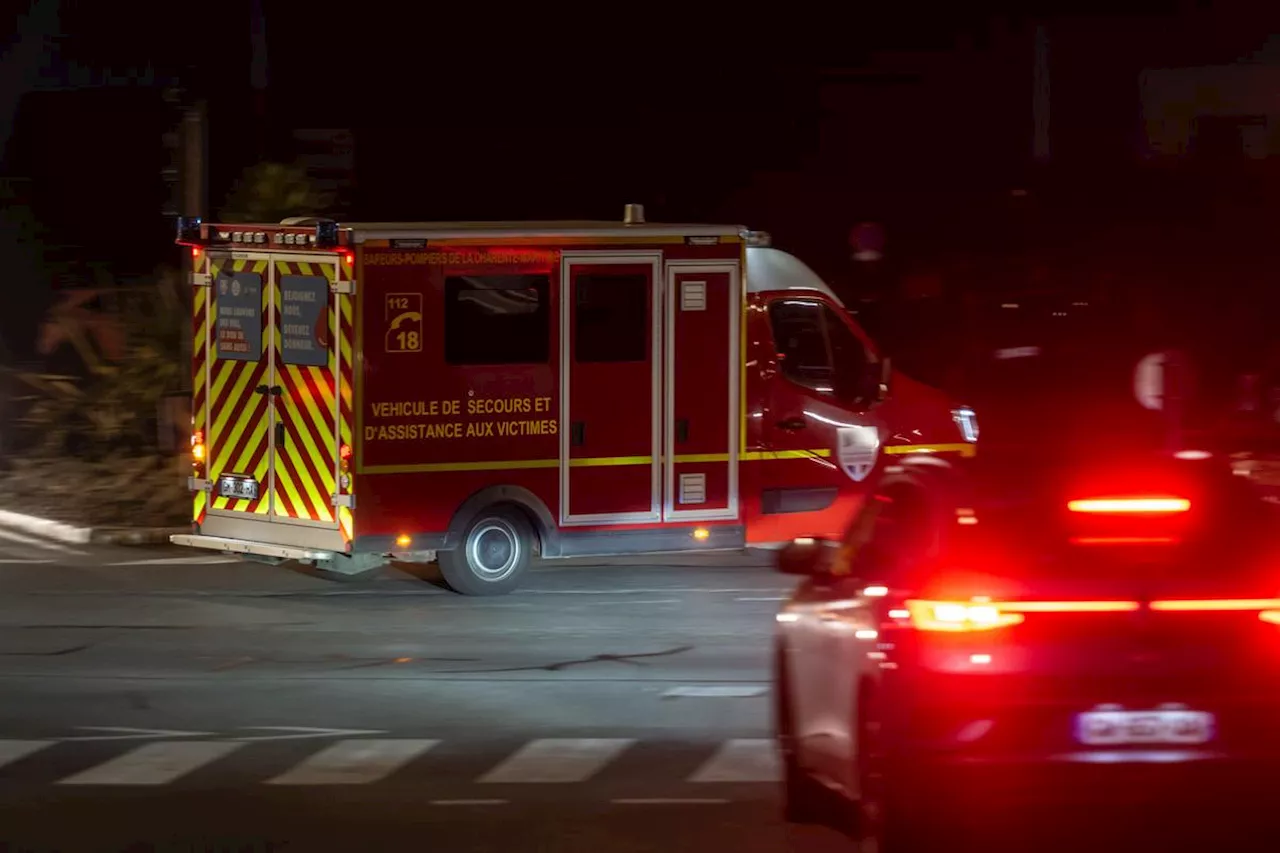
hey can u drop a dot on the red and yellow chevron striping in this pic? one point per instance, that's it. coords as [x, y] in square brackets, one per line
[199, 396]
[346, 388]
[307, 410]
[237, 440]
[289, 441]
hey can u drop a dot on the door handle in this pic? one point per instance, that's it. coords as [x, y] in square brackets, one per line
[262, 389]
[280, 433]
[577, 433]
[273, 390]
[682, 430]
[792, 424]
[276, 391]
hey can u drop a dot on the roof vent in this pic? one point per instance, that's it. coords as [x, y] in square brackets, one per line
[757, 239]
[304, 221]
[633, 215]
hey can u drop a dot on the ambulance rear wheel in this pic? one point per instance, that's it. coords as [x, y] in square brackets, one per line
[495, 551]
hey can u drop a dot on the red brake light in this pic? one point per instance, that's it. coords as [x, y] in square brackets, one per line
[979, 614]
[976, 615]
[1144, 505]
[196, 251]
[344, 452]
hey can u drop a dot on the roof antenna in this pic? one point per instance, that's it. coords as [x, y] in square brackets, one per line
[633, 214]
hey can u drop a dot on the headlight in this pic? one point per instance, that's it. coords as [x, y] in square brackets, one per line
[967, 422]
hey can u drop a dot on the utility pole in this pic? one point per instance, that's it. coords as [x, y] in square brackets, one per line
[185, 174]
[1040, 98]
[258, 71]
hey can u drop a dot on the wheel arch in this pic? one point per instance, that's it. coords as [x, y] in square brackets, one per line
[529, 504]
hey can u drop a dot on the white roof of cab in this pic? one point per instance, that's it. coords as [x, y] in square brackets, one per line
[770, 269]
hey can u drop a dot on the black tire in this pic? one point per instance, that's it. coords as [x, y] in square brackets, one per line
[496, 550]
[804, 800]
[881, 821]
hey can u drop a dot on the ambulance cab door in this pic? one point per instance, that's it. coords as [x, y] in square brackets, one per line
[305, 393]
[238, 412]
[609, 388]
[821, 430]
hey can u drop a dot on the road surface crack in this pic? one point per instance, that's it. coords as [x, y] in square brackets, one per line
[632, 659]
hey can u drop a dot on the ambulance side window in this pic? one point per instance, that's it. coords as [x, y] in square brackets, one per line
[612, 317]
[816, 348]
[497, 319]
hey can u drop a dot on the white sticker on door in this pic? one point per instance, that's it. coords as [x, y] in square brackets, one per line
[858, 448]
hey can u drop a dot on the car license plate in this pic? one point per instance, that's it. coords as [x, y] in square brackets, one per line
[241, 488]
[1124, 728]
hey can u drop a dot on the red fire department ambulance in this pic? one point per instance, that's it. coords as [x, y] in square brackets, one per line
[488, 393]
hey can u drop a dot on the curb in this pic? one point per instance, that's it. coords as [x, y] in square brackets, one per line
[70, 534]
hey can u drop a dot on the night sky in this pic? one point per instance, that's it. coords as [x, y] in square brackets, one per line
[797, 118]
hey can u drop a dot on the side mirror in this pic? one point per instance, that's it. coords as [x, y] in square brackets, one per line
[871, 385]
[806, 557]
[885, 380]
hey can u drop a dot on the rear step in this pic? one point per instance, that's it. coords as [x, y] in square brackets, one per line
[328, 561]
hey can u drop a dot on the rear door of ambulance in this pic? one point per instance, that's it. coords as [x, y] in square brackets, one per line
[273, 397]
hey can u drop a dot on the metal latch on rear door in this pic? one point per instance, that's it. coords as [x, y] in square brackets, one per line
[349, 501]
[346, 287]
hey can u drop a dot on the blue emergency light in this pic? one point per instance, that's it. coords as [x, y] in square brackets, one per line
[327, 234]
[189, 228]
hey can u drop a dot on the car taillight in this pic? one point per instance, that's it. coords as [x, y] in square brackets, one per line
[1128, 505]
[982, 614]
[973, 615]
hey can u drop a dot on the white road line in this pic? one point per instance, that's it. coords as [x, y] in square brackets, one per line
[354, 762]
[762, 598]
[742, 760]
[632, 601]
[670, 801]
[550, 760]
[668, 591]
[14, 750]
[154, 764]
[178, 561]
[43, 544]
[469, 802]
[717, 691]
[23, 562]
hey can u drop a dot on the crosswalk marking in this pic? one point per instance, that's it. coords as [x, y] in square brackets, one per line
[154, 764]
[354, 762]
[14, 750]
[717, 691]
[551, 760]
[370, 760]
[742, 760]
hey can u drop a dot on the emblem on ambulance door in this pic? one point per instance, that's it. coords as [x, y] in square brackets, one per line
[857, 449]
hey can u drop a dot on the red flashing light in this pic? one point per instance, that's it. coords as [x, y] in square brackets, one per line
[349, 258]
[344, 452]
[196, 252]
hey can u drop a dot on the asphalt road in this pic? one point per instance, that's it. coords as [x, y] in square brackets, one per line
[156, 700]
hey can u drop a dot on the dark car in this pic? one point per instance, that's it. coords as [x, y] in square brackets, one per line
[1091, 629]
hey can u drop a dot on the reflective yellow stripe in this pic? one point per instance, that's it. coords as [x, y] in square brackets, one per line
[962, 449]
[461, 466]
[588, 462]
[609, 461]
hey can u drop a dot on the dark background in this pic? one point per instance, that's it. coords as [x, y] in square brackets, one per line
[799, 119]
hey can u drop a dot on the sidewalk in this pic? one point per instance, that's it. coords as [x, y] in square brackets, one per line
[58, 531]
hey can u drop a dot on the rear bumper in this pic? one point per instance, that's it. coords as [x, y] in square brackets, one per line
[1049, 784]
[259, 549]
